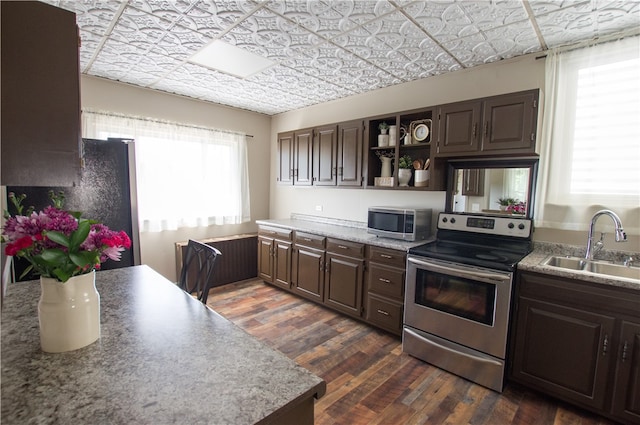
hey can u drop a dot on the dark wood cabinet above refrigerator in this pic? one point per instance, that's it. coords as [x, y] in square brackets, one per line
[41, 140]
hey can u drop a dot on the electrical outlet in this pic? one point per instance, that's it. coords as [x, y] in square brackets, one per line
[318, 207]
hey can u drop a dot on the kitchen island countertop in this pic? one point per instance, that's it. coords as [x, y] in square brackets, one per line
[163, 357]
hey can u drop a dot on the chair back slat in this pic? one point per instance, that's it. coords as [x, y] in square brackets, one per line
[197, 270]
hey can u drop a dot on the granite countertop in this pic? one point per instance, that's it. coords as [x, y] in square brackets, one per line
[354, 231]
[163, 357]
[542, 250]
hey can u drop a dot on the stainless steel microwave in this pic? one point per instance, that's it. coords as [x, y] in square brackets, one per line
[409, 224]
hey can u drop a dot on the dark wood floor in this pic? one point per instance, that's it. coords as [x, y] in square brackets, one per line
[369, 379]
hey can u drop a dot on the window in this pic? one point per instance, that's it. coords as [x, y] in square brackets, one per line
[186, 176]
[590, 145]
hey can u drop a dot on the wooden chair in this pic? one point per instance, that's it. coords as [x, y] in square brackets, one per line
[197, 269]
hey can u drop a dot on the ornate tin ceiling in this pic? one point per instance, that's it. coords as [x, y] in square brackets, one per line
[324, 50]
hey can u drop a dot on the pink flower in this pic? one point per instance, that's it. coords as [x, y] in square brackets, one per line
[14, 248]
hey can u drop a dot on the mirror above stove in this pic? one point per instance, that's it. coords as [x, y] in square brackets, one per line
[500, 187]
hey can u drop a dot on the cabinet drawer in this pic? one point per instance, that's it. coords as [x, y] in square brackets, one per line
[275, 232]
[386, 281]
[349, 249]
[385, 314]
[309, 239]
[387, 256]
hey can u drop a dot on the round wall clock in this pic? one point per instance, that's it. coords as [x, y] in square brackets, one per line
[420, 132]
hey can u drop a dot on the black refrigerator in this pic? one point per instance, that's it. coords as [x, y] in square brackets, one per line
[106, 192]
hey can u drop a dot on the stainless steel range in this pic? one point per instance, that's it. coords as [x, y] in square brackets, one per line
[458, 294]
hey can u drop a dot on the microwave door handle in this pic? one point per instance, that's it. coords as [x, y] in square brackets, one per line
[458, 272]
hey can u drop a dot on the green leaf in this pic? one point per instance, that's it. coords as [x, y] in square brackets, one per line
[57, 237]
[52, 256]
[61, 275]
[79, 235]
[82, 259]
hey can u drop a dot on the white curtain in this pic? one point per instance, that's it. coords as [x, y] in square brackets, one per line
[590, 141]
[186, 176]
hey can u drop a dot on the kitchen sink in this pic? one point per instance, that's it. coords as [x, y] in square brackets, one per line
[597, 267]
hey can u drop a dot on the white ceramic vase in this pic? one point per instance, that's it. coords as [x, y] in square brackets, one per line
[386, 166]
[404, 175]
[69, 313]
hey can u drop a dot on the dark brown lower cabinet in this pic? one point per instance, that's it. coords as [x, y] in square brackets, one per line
[274, 256]
[579, 342]
[344, 274]
[308, 266]
[626, 390]
[384, 294]
[332, 272]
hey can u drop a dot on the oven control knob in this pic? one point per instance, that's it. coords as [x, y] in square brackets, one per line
[444, 219]
[521, 226]
[511, 226]
[453, 220]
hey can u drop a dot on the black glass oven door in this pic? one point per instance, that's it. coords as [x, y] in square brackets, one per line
[463, 297]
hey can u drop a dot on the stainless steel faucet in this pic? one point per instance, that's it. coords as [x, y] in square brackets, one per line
[621, 236]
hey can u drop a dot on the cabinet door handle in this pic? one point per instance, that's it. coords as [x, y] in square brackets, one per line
[340, 171]
[343, 247]
[605, 345]
[383, 312]
[388, 257]
[475, 129]
[384, 280]
[486, 129]
[306, 239]
[333, 171]
[625, 347]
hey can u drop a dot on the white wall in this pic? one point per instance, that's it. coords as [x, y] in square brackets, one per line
[157, 249]
[508, 76]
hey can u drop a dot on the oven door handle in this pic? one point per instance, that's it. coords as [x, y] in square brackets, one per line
[461, 272]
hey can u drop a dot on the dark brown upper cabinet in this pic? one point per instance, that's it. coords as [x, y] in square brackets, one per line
[330, 155]
[498, 125]
[325, 147]
[41, 140]
[349, 158]
[295, 154]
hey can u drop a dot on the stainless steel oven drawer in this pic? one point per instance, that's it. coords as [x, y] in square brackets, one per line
[470, 364]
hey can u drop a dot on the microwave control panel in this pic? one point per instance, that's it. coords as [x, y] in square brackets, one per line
[492, 225]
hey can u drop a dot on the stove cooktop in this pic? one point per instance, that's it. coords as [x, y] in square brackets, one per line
[483, 241]
[499, 257]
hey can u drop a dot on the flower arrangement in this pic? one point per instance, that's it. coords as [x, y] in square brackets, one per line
[383, 126]
[517, 208]
[59, 244]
